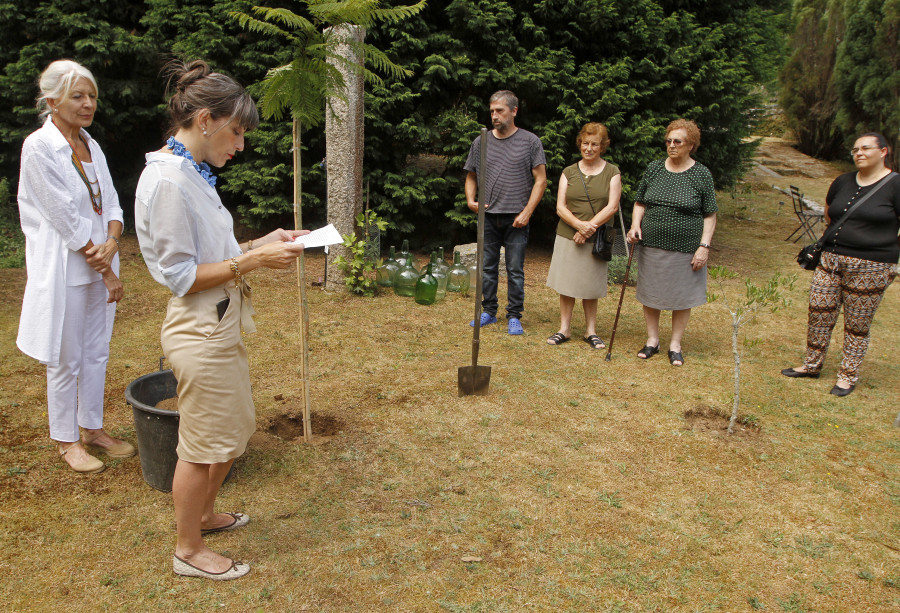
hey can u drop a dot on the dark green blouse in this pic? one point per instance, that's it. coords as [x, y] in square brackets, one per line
[576, 199]
[676, 203]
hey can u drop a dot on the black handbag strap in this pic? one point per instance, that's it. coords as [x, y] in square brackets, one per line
[583, 182]
[832, 230]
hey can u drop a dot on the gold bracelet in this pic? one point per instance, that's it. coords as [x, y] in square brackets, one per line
[236, 271]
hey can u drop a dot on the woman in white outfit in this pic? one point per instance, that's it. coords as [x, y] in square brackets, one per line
[72, 222]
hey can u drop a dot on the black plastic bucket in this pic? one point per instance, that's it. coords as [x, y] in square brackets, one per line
[156, 429]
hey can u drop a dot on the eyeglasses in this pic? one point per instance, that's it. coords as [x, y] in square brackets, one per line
[864, 148]
[674, 141]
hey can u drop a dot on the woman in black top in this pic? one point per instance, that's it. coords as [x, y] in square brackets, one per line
[857, 264]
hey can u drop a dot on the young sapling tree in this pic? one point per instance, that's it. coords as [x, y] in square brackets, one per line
[770, 296]
[304, 86]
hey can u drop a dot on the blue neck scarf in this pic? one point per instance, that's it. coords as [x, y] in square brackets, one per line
[203, 168]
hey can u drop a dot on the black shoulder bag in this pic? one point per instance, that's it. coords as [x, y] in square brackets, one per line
[605, 234]
[810, 255]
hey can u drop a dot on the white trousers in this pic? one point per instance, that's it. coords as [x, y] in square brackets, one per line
[75, 386]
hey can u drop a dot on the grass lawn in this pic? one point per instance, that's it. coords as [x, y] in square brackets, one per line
[576, 485]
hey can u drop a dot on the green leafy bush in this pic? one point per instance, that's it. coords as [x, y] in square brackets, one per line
[359, 268]
[616, 271]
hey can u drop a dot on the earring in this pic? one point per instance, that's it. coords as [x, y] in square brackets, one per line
[204, 132]
[56, 110]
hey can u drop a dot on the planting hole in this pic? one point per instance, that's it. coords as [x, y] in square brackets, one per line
[289, 425]
[715, 421]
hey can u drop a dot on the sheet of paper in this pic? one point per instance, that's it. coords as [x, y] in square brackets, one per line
[322, 237]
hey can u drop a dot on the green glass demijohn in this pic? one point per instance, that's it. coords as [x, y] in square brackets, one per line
[405, 279]
[404, 253]
[473, 273]
[458, 276]
[441, 264]
[426, 287]
[440, 273]
[384, 276]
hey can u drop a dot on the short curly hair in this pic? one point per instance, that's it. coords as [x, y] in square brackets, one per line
[690, 128]
[594, 128]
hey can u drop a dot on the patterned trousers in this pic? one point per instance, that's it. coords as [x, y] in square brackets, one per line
[857, 285]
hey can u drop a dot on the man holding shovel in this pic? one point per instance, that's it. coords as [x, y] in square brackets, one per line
[515, 181]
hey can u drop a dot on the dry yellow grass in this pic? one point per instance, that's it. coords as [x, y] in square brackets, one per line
[574, 486]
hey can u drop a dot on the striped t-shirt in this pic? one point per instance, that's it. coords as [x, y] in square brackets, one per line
[509, 162]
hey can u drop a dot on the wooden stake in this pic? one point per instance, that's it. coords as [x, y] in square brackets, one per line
[301, 284]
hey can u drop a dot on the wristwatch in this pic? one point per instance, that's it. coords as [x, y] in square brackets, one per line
[705, 245]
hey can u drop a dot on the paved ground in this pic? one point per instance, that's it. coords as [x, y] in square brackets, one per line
[778, 164]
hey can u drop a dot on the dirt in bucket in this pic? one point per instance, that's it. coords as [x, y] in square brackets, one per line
[168, 404]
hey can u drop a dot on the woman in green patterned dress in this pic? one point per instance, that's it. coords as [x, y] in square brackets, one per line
[674, 219]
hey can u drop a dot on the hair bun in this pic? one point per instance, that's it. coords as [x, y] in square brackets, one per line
[191, 73]
[194, 87]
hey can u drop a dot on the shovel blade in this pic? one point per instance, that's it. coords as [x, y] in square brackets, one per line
[474, 380]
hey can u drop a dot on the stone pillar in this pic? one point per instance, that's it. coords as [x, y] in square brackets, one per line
[344, 147]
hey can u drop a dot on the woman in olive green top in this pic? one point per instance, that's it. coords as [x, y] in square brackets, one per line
[674, 219]
[588, 197]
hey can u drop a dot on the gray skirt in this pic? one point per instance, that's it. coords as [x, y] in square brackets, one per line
[575, 271]
[666, 280]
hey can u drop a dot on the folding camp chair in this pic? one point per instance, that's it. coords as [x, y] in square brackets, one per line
[808, 219]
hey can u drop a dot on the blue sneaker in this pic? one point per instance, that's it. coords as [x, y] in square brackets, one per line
[486, 318]
[514, 326]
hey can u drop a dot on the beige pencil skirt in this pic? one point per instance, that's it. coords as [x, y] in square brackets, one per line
[575, 271]
[208, 357]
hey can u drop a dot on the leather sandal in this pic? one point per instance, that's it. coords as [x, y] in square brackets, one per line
[594, 341]
[116, 449]
[89, 466]
[648, 352]
[676, 356]
[557, 339]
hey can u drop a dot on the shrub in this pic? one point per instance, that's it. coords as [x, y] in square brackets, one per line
[616, 271]
[359, 267]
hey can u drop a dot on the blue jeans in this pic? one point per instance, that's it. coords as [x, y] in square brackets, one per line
[499, 232]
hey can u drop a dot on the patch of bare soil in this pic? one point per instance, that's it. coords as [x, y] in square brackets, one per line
[715, 422]
[288, 425]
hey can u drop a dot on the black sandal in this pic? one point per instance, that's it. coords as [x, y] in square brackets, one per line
[676, 356]
[648, 352]
[594, 341]
[558, 339]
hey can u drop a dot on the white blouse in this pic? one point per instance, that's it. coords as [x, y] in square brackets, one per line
[180, 222]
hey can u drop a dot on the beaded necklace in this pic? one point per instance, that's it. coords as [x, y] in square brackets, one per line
[96, 199]
[203, 168]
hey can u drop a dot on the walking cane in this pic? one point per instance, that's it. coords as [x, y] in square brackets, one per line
[621, 295]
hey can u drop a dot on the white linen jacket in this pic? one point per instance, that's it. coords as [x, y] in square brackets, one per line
[49, 189]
